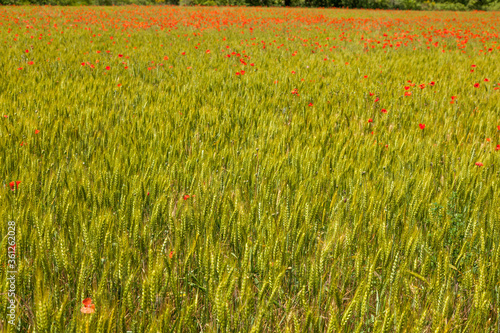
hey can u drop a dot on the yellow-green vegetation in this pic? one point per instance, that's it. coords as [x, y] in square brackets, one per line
[250, 170]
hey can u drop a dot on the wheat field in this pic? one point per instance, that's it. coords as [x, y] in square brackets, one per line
[197, 169]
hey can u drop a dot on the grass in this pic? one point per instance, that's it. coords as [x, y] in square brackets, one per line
[302, 214]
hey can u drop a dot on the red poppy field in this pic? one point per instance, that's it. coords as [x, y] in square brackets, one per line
[249, 169]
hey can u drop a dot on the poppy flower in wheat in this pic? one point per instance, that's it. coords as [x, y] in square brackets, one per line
[370, 120]
[14, 185]
[479, 164]
[497, 148]
[432, 83]
[311, 104]
[185, 197]
[171, 254]
[88, 307]
[476, 85]
[422, 126]
[108, 68]
[383, 111]
[37, 131]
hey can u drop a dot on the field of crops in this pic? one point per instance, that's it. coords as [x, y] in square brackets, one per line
[249, 169]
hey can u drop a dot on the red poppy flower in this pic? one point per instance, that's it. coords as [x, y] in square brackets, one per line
[479, 164]
[371, 94]
[486, 80]
[377, 99]
[422, 126]
[383, 111]
[171, 254]
[476, 85]
[120, 55]
[183, 53]
[14, 185]
[407, 93]
[498, 127]
[37, 131]
[108, 68]
[406, 87]
[88, 307]
[370, 120]
[422, 86]
[27, 51]
[185, 197]
[310, 104]
[432, 83]
[498, 147]
[473, 65]
[83, 64]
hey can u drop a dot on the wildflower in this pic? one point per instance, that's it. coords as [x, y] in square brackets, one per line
[407, 93]
[377, 99]
[88, 307]
[422, 126]
[476, 85]
[479, 164]
[383, 111]
[422, 86]
[14, 185]
[185, 197]
[120, 55]
[486, 80]
[432, 83]
[497, 148]
[370, 120]
[310, 104]
[37, 131]
[108, 68]
[171, 254]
